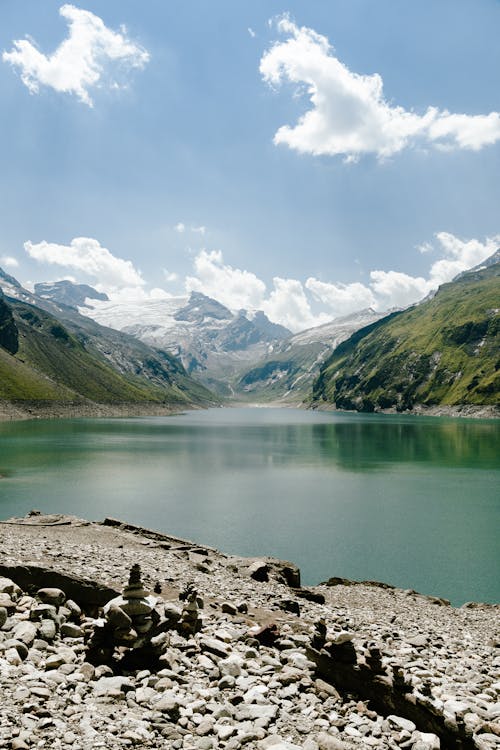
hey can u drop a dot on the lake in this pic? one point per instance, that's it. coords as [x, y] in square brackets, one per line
[412, 501]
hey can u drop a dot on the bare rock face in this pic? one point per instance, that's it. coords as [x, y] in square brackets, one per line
[9, 335]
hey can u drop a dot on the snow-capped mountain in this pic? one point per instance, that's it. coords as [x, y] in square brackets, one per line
[239, 354]
[212, 342]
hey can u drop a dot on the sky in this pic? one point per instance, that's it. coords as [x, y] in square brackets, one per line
[309, 159]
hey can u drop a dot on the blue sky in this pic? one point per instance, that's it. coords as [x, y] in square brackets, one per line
[273, 154]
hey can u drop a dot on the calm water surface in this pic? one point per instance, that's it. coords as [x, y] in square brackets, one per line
[412, 501]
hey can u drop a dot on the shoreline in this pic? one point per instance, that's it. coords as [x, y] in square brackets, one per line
[10, 411]
[462, 411]
[397, 669]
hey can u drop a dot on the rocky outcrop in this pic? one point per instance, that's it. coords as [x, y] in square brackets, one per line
[9, 336]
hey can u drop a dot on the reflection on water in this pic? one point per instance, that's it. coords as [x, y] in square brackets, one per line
[404, 499]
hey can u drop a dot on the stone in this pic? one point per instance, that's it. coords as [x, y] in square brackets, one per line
[329, 742]
[44, 612]
[74, 609]
[231, 666]
[112, 687]
[47, 630]
[401, 724]
[259, 571]
[135, 588]
[70, 630]
[145, 695]
[290, 605]
[172, 614]
[25, 631]
[7, 586]
[55, 661]
[12, 657]
[425, 741]
[7, 603]
[55, 597]
[21, 648]
[214, 646]
[3, 616]
[168, 705]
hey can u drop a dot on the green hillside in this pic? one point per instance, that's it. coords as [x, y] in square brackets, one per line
[445, 351]
[41, 360]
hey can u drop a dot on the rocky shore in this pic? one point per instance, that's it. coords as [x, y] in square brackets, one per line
[10, 411]
[35, 410]
[199, 650]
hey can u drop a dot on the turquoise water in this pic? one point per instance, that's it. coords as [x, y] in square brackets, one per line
[408, 500]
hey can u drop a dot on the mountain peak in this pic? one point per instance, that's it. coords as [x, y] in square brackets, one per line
[68, 293]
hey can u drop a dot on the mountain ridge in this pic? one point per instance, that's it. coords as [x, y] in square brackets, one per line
[441, 352]
[53, 355]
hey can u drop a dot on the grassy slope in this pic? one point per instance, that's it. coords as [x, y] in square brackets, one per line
[444, 351]
[53, 365]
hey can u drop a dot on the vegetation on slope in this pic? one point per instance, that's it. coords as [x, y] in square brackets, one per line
[52, 364]
[445, 351]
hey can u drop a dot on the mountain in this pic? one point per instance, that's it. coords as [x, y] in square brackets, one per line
[52, 354]
[67, 293]
[214, 344]
[444, 351]
[288, 371]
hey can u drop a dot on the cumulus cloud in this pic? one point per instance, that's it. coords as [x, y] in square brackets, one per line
[180, 227]
[81, 61]
[396, 289]
[388, 289]
[291, 302]
[341, 299]
[9, 261]
[349, 114]
[288, 304]
[285, 303]
[233, 287]
[107, 272]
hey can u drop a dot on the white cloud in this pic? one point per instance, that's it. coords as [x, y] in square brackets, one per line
[388, 289]
[81, 60]
[287, 301]
[425, 247]
[8, 261]
[396, 289]
[341, 299]
[233, 287]
[181, 228]
[287, 304]
[251, 32]
[349, 114]
[461, 255]
[107, 272]
[170, 276]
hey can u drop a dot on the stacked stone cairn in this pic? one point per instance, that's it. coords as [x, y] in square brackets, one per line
[134, 627]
